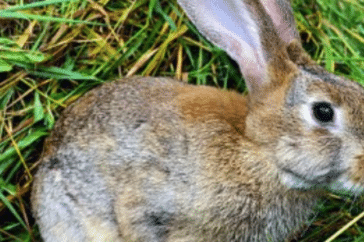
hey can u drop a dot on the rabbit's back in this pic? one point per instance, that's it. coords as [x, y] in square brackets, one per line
[134, 157]
[102, 145]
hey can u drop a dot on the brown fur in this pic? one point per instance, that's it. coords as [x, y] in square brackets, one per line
[81, 110]
[154, 159]
[298, 55]
[204, 103]
[358, 170]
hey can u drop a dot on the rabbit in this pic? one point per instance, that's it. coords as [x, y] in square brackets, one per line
[156, 159]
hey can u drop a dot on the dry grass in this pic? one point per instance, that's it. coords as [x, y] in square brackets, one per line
[52, 52]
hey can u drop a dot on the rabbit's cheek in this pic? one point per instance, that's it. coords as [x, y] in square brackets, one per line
[293, 181]
[303, 166]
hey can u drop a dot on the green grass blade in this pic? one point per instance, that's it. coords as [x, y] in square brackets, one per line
[17, 15]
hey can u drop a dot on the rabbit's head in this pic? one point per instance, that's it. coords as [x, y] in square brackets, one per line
[310, 121]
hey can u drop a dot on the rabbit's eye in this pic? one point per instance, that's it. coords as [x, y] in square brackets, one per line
[323, 112]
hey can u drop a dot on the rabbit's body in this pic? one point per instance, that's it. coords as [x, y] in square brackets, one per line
[156, 158]
[153, 159]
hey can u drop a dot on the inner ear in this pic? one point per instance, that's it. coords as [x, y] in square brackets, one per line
[280, 11]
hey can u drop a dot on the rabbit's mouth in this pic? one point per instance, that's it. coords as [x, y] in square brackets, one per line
[334, 181]
[344, 186]
[295, 180]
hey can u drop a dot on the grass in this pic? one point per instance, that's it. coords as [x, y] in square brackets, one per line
[52, 52]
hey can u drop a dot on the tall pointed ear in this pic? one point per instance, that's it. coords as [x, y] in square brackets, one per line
[245, 31]
[280, 11]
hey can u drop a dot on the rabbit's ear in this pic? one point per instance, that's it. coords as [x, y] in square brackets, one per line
[245, 30]
[280, 11]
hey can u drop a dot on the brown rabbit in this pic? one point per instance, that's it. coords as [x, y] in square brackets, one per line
[153, 159]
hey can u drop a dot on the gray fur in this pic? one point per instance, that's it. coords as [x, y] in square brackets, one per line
[154, 159]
